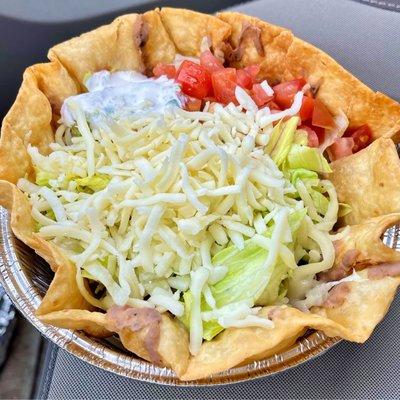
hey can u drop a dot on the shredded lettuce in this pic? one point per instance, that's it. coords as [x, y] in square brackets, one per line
[94, 183]
[246, 279]
[75, 131]
[284, 143]
[50, 214]
[315, 189]
[273, 290]
[308, 158]
[43, 177]
[320, 201]
[301, 137]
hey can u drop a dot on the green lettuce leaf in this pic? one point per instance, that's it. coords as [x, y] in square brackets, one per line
[75, 131]
[303, 174]
[246, 279]
[321, 202]
[274, 137]
[301, 137]
[308, 158]
[43, 177]
[313, 185]
[285, 141]
[94, 183]
[272, 291]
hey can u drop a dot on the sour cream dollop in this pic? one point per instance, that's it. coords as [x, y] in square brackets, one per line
[122, 95]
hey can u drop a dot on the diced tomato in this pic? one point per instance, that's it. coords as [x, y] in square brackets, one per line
[285, 92]
[192, 104]
[244, 79]
[224, 85]
[259, 95]
[320, 133]
[313, 140]
[210, 62]
[318, 130]
[342, 147]
[321, 116]
[362, 137]
[253, 70]
[194, 79]
[307, 107]
[165, 69]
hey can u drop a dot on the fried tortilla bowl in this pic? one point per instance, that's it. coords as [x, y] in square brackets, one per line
[368, 181]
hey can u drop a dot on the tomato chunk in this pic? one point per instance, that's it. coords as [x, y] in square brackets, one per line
[224, 85]
[210, 62]
[342, 147]
[194, 79]
[313, 140]
[318, 130]
[362, 137]
[253, 70]
[165, 69]
[307, 107]
[192, 104]
[259, 95]
[244, 79]
[285, 92]
[321, 116]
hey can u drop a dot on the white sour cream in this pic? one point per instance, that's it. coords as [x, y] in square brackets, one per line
[121, 95]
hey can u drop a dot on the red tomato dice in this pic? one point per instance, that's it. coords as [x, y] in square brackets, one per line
[307, 107]
[313, 140]
[224, 85]
[259, 95]
[362, 137]
[285, 92]
[342, 147]
[318, 130]
[165, 69]
[192, 104]
[321, 116]
[210, 62]
[253, 70]
[194, 79]
[244, 79]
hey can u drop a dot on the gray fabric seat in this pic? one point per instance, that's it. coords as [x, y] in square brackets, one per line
[366, 41]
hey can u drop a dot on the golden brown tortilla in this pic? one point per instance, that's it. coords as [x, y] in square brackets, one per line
[158, 47]
[140, 42]
[112, 47]
[368, 181]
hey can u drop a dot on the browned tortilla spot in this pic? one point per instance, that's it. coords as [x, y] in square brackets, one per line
[251, 32]
[136, 319]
